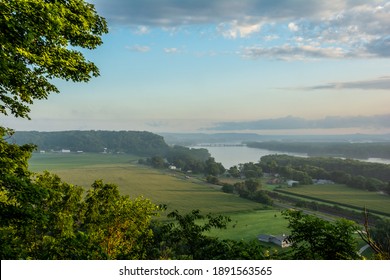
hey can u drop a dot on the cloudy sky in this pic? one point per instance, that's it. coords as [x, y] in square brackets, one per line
[268, 66]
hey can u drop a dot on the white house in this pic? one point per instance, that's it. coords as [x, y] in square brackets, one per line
[280, 240]
[291, 183]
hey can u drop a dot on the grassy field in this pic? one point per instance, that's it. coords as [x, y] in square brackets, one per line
[246, 225]
[176, 190]
[346, 195]
[173, 189]
[60, 161]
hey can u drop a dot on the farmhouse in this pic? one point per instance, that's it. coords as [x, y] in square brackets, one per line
[280, 240]
[172, 167]
[291, 183]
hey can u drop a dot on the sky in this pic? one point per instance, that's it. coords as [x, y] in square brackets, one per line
[264, 66]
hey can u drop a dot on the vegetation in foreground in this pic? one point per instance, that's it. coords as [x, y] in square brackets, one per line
[46, 218]
[43, 217]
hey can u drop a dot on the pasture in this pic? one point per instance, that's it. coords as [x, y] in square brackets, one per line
[345, 195]
[174, 189]
[247, 225]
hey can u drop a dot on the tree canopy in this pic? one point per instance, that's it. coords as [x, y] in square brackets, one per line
[40, 40]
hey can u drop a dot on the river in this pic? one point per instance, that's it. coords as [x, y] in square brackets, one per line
[230, 155]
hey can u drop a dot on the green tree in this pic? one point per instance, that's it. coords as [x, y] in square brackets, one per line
[251, 170]
[157, 162]
[185, 237]
[213, 168]
[234, 171]
[119, 225]
[313, 238]
[39, 41]
[377, 237]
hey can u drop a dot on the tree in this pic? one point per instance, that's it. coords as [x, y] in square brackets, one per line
[39, 41]
[251, 170]
[234, 172]
[377, 237]
[120, 226]
[43, 217]
[313, 238]
[185, 238]
[213, 168]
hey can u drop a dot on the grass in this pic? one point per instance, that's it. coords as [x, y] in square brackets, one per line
[247, 225]
[170, 188]
[177, 191]
[346, 195]
[60, 161]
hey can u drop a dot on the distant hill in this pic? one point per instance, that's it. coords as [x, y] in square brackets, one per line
[361, 150]
[189, 139]
[133, 142]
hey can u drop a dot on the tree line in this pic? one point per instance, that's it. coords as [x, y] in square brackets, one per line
[330, 149]
[139, 143]
[197, 161]
[353, 173]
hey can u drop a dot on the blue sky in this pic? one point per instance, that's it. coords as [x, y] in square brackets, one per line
[224, 65]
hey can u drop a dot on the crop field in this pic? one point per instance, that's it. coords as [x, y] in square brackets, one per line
[58, 161]
[345, 195]
[175, 190]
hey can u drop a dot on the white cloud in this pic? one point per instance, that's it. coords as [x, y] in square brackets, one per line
[272, 37]
[352, 28]
[138, 48]
[289, 52]
[142, 30]
[293, 27]
[234, 29]
[171, 50]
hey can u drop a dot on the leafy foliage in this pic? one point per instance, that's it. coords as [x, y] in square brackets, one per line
[313, 238]
[38, 42]
[354, 173]
[186, 238]
[140, 143]
[45, 218]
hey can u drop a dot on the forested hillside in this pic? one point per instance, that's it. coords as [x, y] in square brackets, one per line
[354, 173]
[133, 142]
[333, 149]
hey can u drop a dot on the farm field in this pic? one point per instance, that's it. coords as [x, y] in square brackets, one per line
[345, 195]
[170, 188]
[57, 161]
[247, 225]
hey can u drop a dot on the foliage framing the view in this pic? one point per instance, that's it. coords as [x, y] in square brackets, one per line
[39, 41]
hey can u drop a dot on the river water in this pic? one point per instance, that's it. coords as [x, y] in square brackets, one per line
[234, 155]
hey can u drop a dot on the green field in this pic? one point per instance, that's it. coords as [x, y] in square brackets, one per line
[345, 195]
[247, 225]
[60, 161]
[176, 190]
[185, 193]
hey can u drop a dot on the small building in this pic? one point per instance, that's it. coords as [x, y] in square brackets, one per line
[65, 151]
[280, 240]
[292, 183]
[172, 167]
[322, 182]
